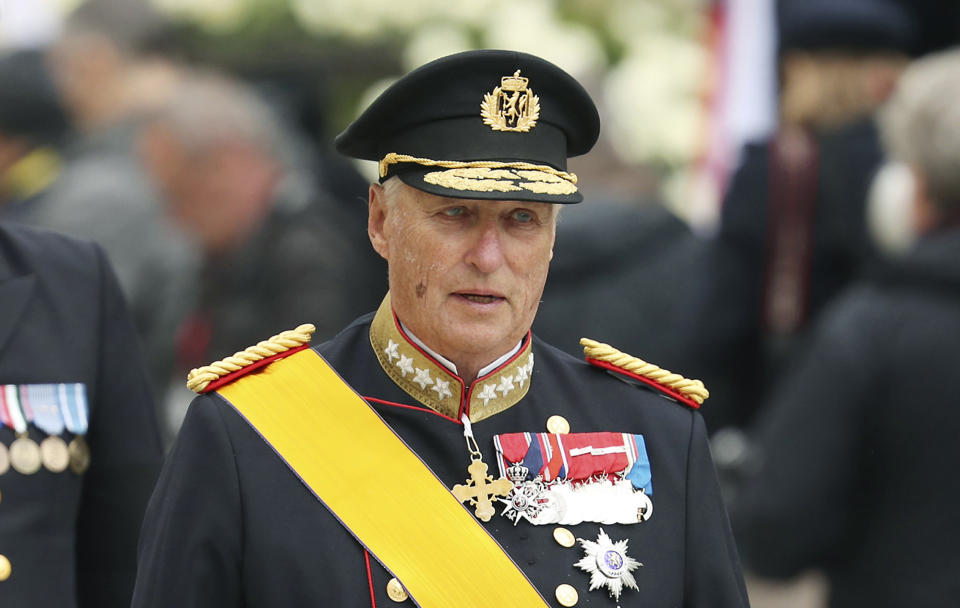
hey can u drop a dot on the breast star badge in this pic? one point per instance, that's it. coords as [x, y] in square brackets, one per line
[608, 564]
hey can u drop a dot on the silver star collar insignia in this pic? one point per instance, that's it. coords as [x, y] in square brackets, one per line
[608, 564]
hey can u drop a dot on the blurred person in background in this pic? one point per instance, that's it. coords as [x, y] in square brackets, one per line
[623, 244]
[793, 230]
[79, 447]
[855, 457]
[33, 125]
[274, 249]
[296, 93]
[108, 76]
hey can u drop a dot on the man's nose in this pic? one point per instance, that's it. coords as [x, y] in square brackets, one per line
[486, 253]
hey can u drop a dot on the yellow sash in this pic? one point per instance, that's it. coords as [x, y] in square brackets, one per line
[382, 492]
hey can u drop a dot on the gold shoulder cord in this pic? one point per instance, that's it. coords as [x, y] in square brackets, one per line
[692, 389]
[200, 377]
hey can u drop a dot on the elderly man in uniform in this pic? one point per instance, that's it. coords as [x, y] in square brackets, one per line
[436, 453]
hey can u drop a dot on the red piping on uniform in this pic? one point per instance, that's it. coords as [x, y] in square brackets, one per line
[647, 381]
[373, 598]
[249, 368]
[399, 326]
[412, 407]
[465, 404]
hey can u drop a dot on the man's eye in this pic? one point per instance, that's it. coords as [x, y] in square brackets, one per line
[454, 211]
[523, 216]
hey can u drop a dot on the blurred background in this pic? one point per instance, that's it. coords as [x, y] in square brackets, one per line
[738, 187]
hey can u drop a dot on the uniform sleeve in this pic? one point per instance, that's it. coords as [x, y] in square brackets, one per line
[794, 509]
[713, 574]
[190, 545]
[125, 455]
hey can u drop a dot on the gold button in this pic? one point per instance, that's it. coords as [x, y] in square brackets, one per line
[5, 568]
[558, 425]
[567, 595]
[395, 591]
[564, 537]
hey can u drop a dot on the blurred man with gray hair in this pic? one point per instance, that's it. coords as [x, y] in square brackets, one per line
[856, 455]
[232, 177]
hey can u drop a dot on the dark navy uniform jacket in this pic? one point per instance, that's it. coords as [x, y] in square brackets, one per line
[230, 525]
[71, 539]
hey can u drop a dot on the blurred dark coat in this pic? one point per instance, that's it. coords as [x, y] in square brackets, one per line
[858, 450]
[737, 356]
[71, 539]
[621, 274]
[304, 264]
[255, 536]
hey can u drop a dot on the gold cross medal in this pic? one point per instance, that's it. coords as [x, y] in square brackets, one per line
[480, 488]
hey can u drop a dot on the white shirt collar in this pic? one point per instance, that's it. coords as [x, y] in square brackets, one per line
[450, 364]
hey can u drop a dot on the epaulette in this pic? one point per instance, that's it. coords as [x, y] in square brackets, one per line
[690, 392]
[210, 377]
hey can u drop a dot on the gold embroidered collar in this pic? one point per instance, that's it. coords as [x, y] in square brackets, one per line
[434, 385]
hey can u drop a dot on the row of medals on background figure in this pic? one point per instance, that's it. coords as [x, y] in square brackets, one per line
[25, 456]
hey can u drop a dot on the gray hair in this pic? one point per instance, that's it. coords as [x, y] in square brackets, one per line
[133, 26]
[921, 125]
[393, 189]
[208, 109]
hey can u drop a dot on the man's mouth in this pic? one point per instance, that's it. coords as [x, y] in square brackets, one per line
[480, 298]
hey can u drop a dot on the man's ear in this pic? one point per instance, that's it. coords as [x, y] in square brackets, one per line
[377, 219]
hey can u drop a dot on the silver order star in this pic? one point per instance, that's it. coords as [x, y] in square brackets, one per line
[391, 350]
[608, 564]
[442, 388]
[506, 385]
[523, 501]
[422, 378]
[489, 392]
[406, 365]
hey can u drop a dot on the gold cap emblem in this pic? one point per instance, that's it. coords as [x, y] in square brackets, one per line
[511, 106]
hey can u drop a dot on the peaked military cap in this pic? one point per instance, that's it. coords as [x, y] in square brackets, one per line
[866, 25]
[488, 124]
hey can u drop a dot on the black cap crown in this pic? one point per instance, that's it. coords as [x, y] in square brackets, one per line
[865, 25]
[488, 124]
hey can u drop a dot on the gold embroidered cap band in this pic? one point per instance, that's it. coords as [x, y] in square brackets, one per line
[489, 176]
